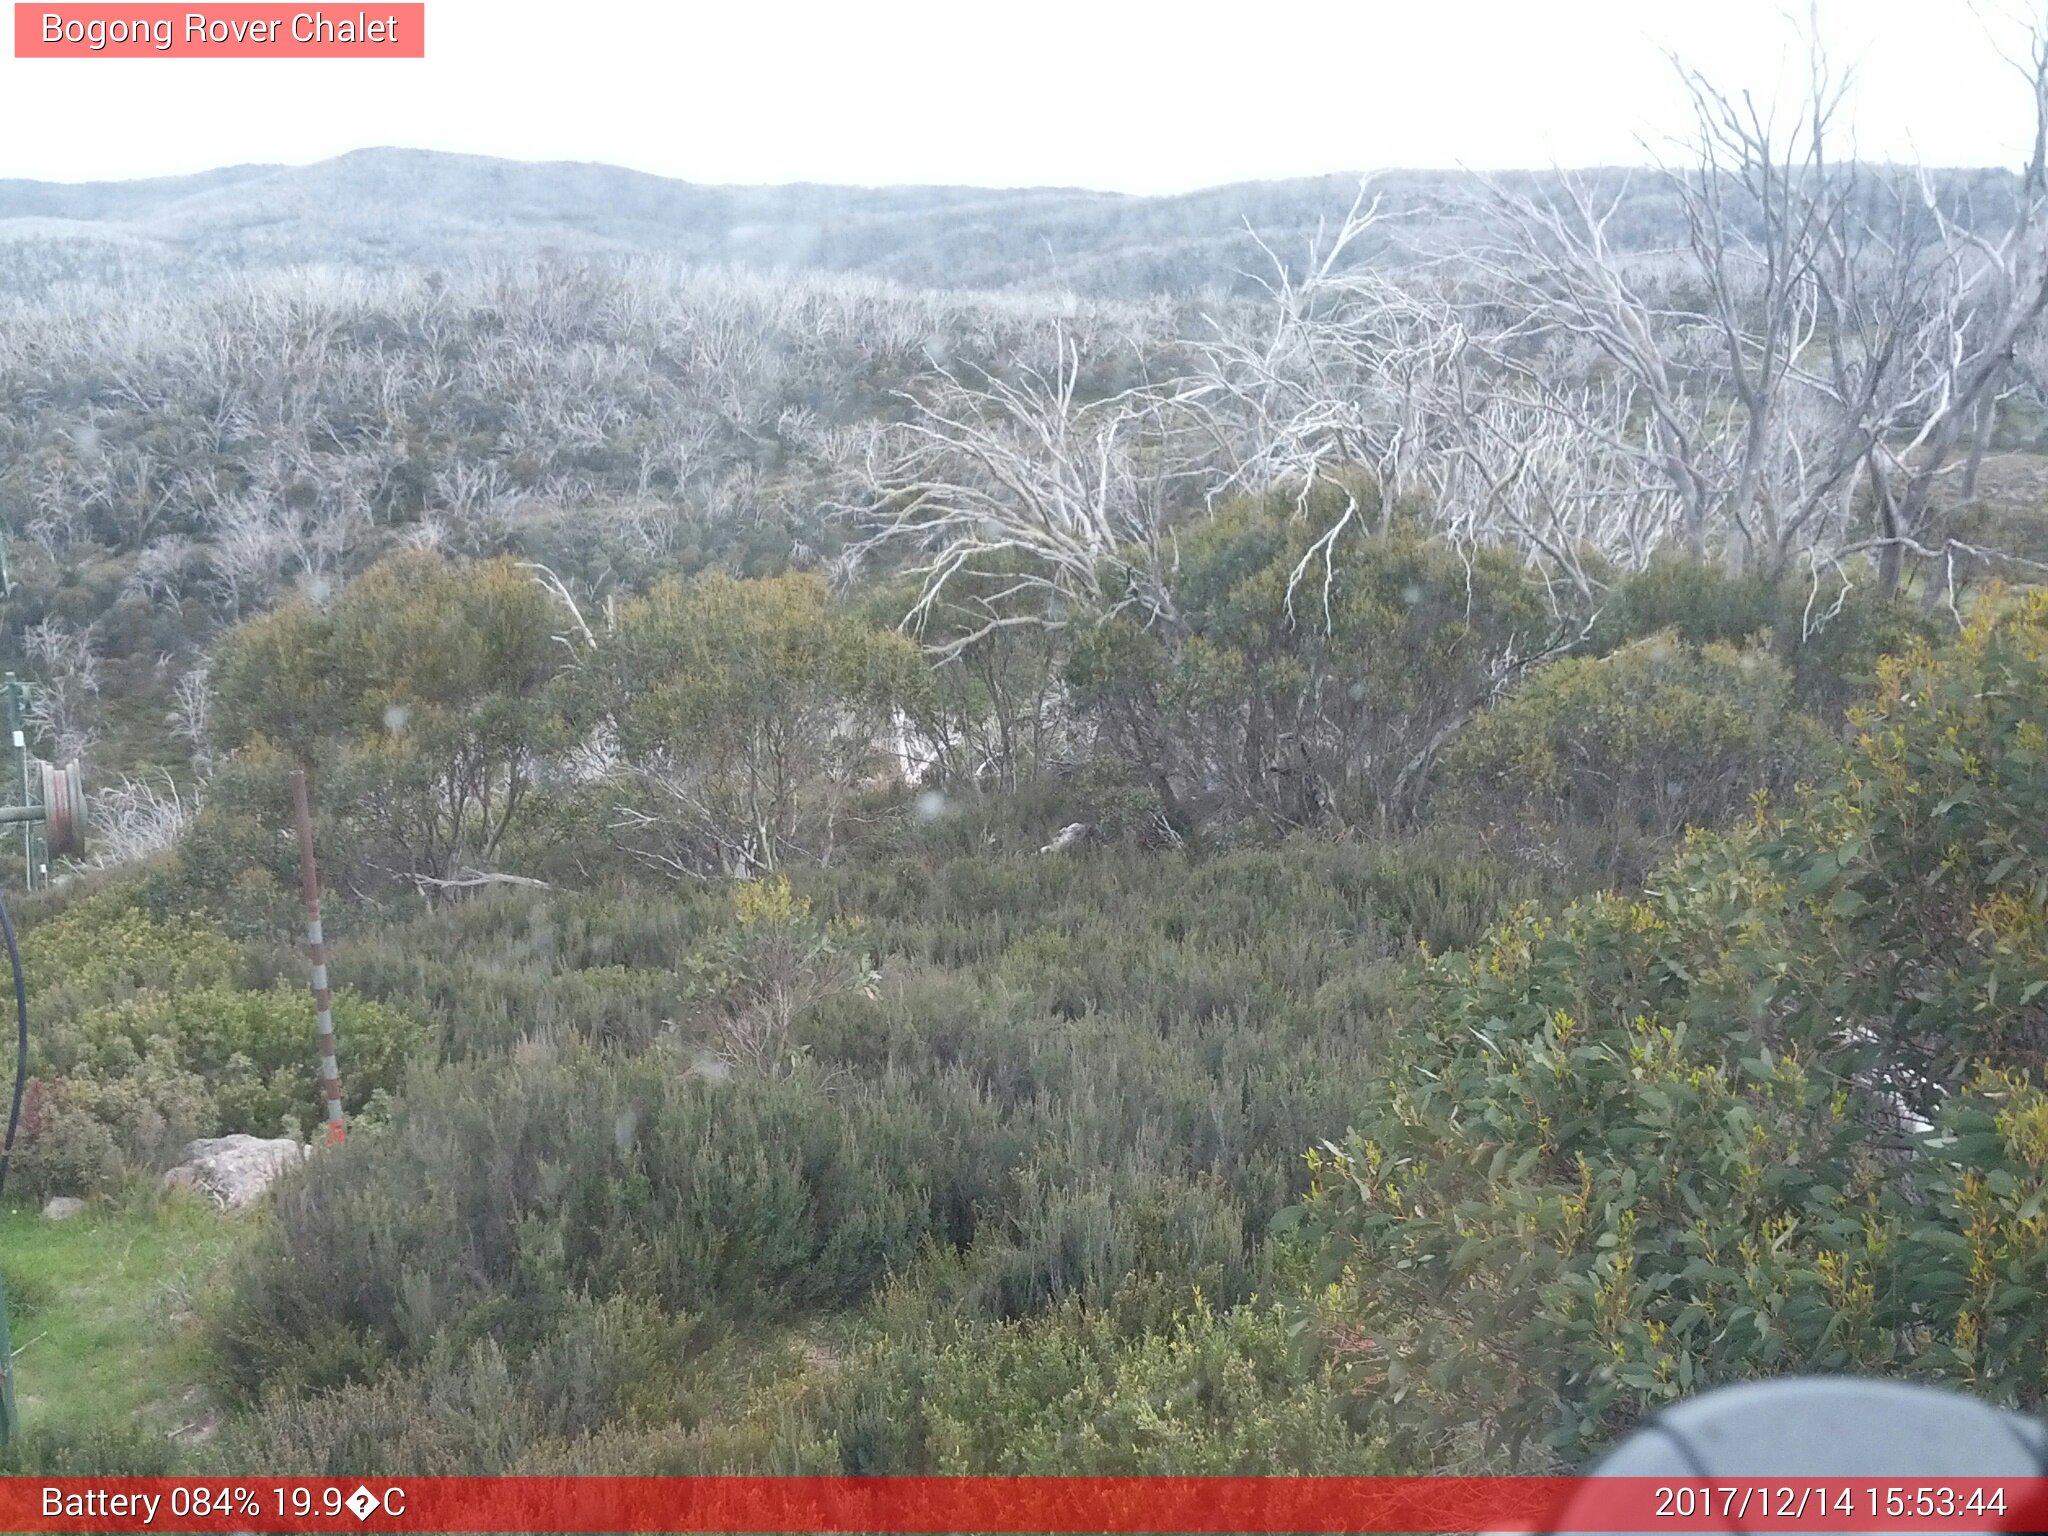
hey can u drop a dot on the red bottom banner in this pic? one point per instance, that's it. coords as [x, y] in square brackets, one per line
[1022, 1504]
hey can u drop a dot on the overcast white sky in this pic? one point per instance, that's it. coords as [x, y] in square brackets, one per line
[1132, 95]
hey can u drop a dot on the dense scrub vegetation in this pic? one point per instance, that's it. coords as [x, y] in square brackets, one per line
[1006, 1117]
[915, 1148]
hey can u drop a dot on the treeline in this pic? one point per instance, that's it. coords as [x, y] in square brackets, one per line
[470, 722]
[376, 211]
[171, 465]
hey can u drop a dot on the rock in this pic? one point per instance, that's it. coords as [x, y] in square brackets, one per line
[1073, 832]
[183, 1177]
[235, 1170]
[63, 1208]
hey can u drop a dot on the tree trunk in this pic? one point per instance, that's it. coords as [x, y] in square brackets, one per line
[1980, 440]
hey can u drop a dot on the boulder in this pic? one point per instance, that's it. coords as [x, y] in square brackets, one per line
[63, 1208]
[235, 1171]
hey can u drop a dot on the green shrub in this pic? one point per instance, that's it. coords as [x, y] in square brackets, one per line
[106, 949]
[1049, 1082]
[1831, 632]
[233, 862]
[422, 693]
[473, 1410]
[749, 715]
[503, 966]
[1080, 1079]
[1626, 750]
[1698, 600]
[254, 1052]
[1296, 685]
[84, 1135]
[765, 973]
[103, 1450]
[1136, 1247]
[500, 1190]
[1648, 1146]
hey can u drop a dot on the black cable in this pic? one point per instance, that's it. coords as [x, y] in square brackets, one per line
[21, 1042]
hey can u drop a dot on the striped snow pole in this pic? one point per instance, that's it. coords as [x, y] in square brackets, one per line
[316, 948]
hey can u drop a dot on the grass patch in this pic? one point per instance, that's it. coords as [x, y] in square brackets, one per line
[103, 1314]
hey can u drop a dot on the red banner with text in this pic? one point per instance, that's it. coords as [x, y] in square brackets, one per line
[228, 31]
[1012, 1504]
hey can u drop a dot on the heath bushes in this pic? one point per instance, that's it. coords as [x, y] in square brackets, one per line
[142, 1041]
[501, 1190]
[423, 692]
[468, 1409]
[1031, 1081]
[749, 716]
[1210, 1392]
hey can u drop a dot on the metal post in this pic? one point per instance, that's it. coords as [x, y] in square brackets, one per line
[16, 713]
[8, 1422]
[316, 947]
[17, 726]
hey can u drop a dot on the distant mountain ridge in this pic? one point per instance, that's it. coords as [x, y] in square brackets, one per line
[379, 209]
[384, 208]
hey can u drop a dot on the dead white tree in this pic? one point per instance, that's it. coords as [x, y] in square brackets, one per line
[190, 717]
[1033, 488]
[1827, 326]
[1344, 368]
[1524, 472]
[580, 637]
[136, 819]
[1988, 290]
[1337, 371]
[63, 697]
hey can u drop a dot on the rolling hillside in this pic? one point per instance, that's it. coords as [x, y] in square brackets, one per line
[386, 209]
